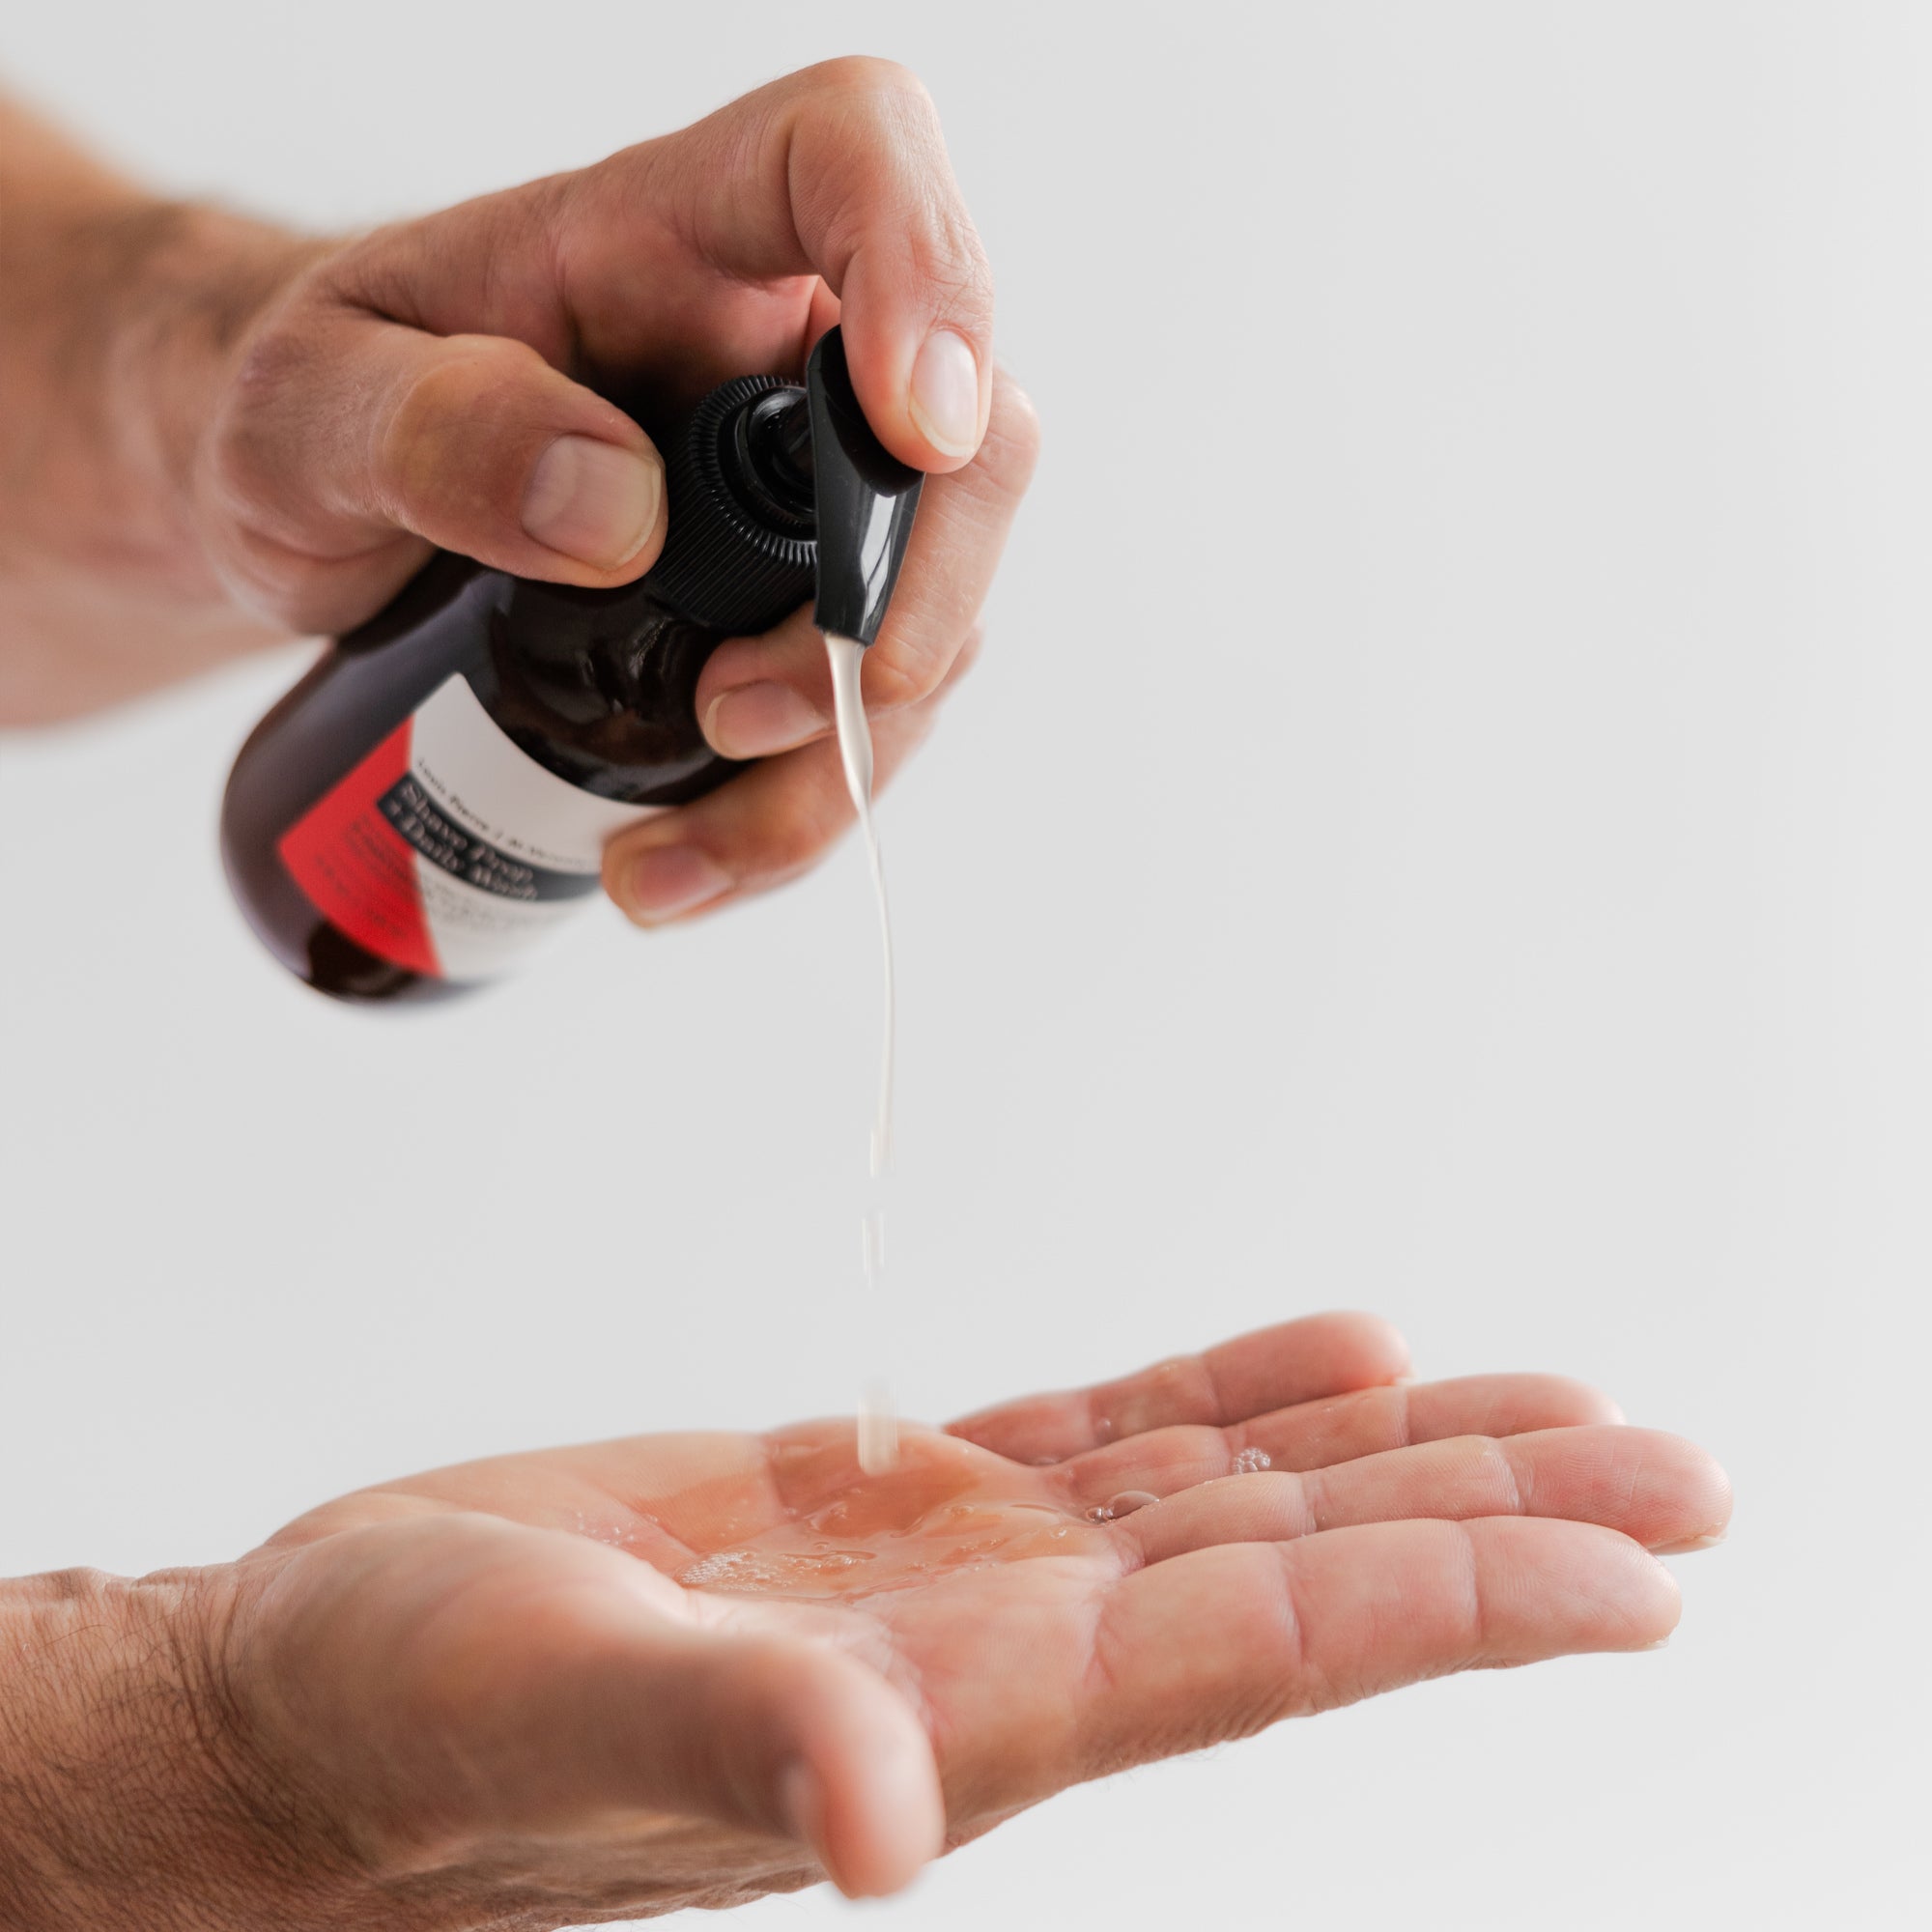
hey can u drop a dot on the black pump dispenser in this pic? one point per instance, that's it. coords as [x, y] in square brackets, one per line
[441, 785]
[867, 499]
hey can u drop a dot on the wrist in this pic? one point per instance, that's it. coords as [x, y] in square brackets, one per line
[127, 1794]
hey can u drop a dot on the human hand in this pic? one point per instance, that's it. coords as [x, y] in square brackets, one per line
[688, 1669]
[317, 417]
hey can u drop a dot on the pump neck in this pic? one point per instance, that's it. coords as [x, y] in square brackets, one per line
[766, 456]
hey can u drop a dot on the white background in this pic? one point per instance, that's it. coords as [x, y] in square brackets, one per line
[1443, 825]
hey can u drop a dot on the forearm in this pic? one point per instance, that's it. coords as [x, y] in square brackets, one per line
[125, 1796]
[98, 1742]
[141, 1783]
[119, 314]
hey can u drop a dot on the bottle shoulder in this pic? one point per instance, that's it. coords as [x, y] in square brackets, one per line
[599, 687]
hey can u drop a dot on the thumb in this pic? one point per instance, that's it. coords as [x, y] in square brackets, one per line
[582, 1690]
[780, 1735]
[362, 434]
[462, 1687]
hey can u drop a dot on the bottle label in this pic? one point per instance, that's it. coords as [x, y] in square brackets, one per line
[448, 850]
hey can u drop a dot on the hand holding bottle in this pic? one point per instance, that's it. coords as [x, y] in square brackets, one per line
[292, 426]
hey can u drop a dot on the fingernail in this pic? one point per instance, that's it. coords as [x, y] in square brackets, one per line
[593, 501]
[759, 719]
[670, 879]
[945, 399]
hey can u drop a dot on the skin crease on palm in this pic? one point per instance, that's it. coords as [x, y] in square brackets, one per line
[680, 1669]
[675, 1671]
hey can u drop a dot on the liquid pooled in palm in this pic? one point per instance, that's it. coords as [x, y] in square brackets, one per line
[946, 1507]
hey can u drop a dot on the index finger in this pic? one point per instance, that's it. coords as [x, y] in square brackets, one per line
[841, 172]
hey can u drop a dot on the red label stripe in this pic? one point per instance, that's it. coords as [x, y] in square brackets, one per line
[356, 869]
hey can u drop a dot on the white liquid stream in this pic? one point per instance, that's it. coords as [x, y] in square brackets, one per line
[878, 1420]
[855, 752]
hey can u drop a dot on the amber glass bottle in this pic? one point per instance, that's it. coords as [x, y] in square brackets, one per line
[437, 791]
[431, 799]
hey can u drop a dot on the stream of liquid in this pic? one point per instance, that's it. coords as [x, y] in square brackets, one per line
[878, 1419]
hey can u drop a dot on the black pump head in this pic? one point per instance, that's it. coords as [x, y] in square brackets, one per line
[865, 499]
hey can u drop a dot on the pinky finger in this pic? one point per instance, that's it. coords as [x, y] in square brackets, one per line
[775, 821]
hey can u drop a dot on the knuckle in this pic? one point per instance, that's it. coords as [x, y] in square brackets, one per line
[276, 355]
[795, 836]
[441, 404]
[619, 846]
[1011, 451]
[872, 77]
[1307, 1499]
[949, 264]
[972, 646]
[1501, 1483]
[903, 678]
[815, 827]
[625, 846]
[881, 111]
[250, 424]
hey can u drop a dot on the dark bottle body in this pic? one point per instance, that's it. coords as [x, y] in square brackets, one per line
[434, 792]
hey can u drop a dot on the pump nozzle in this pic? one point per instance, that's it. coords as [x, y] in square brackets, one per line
[866, 501]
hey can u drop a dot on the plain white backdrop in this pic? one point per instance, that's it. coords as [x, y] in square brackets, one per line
[1444, 824]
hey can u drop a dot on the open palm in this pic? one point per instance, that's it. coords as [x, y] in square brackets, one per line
[688, 1668]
